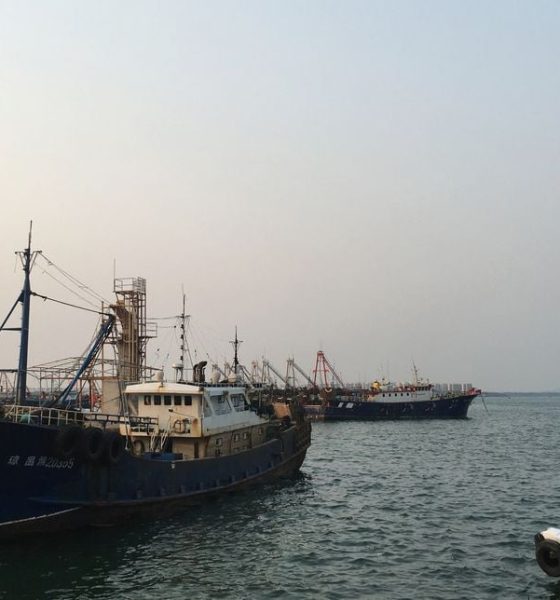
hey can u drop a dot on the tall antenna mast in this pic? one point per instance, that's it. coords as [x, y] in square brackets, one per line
[184, 347]
[27, 258]
[235, 344]
[415, 372]
[181, 366]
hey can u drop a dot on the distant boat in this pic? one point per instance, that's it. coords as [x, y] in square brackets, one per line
[385, 400]
[390, 401]
[170, 445]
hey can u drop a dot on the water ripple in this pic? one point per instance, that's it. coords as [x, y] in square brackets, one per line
[439, 510]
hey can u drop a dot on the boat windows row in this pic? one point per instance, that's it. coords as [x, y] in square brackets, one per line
[159, 400]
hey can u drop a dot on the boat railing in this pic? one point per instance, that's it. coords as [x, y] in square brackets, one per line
[58, 416]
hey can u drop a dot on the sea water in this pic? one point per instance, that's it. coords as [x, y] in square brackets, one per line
[405, 509]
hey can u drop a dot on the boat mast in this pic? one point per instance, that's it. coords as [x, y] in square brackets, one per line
[415, 373]
[183, 327]
[27, 258]
[184, 347]
[235, 344]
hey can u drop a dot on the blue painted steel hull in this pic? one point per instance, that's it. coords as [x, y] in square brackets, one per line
[347, 408]
[39, 492]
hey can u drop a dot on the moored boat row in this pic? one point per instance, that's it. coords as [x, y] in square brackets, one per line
[325, 397]
[141, 445]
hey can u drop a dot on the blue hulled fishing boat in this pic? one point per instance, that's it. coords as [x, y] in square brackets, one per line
[165, 445]
[333, 401]
[399, 402]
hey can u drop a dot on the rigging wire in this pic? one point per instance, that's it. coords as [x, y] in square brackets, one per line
[66, 287]
[163, 353]
[484, 404]
[186, 333]
[198, 340]
[175, 328]
[97, 312]
[219, 355]
[75, 280]
[162, 318]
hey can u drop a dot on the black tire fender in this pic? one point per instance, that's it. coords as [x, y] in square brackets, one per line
[547, 553]
[92, 444]
[68, 441]
[138, 447]
[113, 447]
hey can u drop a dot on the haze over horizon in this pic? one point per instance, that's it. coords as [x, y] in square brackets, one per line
[377, 180]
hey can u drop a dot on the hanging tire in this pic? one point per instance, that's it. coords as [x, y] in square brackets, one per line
[138, 447]
[67, 442]
[113, 447]
[92, 444]
[179, 426]
[547, 553]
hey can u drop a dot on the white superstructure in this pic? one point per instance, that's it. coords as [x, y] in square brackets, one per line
[194, 420]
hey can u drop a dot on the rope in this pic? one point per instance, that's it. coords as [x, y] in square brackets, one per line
[97, 312]
[162, 318]
[66, 287]
[74, 280]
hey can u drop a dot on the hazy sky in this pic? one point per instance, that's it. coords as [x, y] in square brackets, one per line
[377, 179]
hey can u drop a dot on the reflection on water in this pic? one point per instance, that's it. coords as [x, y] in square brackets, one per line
[434, 509]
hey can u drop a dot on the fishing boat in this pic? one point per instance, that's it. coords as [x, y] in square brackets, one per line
[411, 401]
[169, 444]
[333, 401]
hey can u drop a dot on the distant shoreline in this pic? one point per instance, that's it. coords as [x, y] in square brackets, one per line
[505, 394]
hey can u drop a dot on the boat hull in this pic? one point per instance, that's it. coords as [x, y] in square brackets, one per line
[40, 492]
[352, 409]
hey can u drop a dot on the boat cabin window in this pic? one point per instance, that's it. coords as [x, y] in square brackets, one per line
[220, 405]
[147, 400]
[238, 402]
[157, 400]
[207, 409]
[188, 400]
[177, 400]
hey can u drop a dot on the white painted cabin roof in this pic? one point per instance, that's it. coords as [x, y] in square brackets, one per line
[170, 387]
[159, 387]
